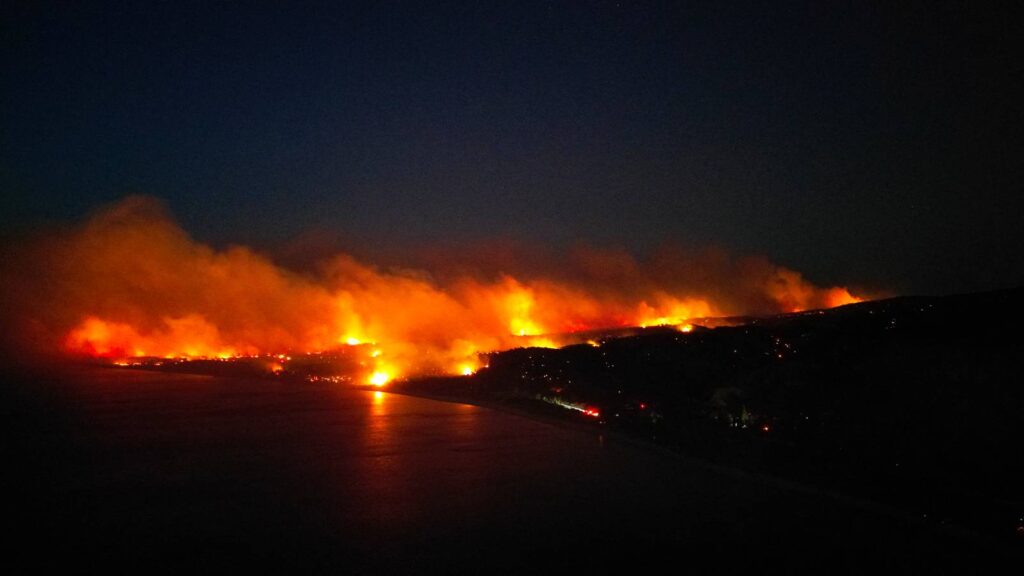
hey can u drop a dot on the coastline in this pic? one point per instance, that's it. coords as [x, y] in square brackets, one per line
[677, 453]
[753, 476]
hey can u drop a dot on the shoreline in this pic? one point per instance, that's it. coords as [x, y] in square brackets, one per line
[677, 453]
[733, 472]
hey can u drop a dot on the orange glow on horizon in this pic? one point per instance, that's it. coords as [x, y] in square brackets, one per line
[840, 297]
[129, 282]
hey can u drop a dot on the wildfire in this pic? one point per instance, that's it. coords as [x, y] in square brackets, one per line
[671, 311]
[518, 304]
[131, 283]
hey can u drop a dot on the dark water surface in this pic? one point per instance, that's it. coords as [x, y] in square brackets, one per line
[144, 471]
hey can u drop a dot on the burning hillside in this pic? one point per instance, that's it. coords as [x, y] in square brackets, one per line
[130, 282]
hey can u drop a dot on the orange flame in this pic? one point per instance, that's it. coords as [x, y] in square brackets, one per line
[130, 282]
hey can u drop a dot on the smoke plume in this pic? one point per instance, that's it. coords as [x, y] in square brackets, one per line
[130, 282]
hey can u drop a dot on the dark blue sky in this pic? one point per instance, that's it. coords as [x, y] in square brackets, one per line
[862, 145]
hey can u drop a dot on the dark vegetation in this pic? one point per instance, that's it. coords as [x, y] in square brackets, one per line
[916, 402]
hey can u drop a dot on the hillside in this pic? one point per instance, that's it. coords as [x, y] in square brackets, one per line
[916, 402]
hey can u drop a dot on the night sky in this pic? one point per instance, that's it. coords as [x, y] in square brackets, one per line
[864, 145]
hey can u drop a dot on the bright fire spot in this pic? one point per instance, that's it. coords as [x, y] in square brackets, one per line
[592, 412]
[380, 378]
[353, 341]
[276, 368]
[521, 327]
[518, 305]
[466, 370]
[669, 311]
[594, 343]
[542, 343]
[685, 327]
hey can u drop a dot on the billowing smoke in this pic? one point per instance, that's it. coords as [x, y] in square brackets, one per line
[130, 282]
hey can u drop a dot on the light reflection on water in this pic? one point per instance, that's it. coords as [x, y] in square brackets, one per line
[155, 463]
[416, 455]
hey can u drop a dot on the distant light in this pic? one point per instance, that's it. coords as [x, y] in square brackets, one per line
[766, 428]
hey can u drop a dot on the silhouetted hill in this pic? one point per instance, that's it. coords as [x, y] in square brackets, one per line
[913, 401]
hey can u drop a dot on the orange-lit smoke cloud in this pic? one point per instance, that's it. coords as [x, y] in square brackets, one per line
[130, 282]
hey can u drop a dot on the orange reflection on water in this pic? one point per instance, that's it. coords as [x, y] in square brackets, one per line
[378, 403]
[380, 411]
